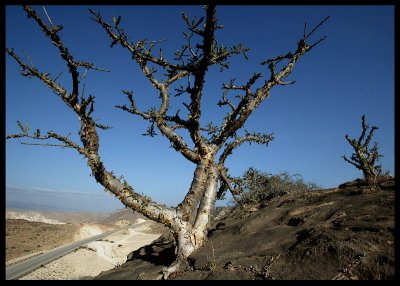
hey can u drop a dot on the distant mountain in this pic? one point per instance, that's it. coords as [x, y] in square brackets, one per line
[57, 217]
[31, 216]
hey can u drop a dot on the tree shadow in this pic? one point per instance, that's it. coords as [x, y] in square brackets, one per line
[159, 252]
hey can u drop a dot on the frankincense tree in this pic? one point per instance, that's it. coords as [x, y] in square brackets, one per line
[365, 158]
[211, 180]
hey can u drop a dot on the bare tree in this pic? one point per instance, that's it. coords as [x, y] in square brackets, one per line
[188, 221]
[365, 158]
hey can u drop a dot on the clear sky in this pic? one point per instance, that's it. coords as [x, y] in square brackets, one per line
[349, 74]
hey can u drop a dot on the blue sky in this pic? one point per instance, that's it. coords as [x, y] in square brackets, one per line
[350, 74]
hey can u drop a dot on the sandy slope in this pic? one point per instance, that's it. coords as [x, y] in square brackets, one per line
[97, 256]
[31, 216]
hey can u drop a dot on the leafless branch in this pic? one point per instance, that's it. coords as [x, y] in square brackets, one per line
[225, 182]
[88, 133]
[306, 36]
[29, 59]
[250, 101]
[46, 145]
[50, 135]
[57, 76]
[133, 109]
[138, 50]
[29, 71]
[48, 17]
[249, 137]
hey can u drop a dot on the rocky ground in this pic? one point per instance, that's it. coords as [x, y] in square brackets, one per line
[346, 233]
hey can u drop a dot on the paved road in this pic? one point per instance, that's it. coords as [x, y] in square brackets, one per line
[17, 270]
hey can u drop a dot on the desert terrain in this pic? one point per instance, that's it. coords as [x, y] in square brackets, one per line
[29, 233]
[343, 233]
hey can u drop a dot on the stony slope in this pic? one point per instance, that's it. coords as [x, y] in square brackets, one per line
[345, 233]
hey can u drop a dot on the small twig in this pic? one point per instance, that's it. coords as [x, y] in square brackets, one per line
[316, 27]
[51, 145]
[26, 55]
[58, 76]
[48, 17]
[83, 91]
[317, 42]
[84, 75]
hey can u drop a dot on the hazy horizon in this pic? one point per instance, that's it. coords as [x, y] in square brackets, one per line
[48, 200]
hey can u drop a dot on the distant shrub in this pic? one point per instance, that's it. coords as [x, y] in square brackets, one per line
[255, 186]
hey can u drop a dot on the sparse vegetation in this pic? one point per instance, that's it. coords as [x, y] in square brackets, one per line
[212, 261]
[255, 186]
[26, 237]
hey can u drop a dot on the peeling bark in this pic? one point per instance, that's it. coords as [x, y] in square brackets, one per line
[188, 221]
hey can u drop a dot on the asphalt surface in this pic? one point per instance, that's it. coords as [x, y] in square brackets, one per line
[17, 270]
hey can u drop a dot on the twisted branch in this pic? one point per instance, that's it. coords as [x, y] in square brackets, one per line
[50, 135]
[250, 101]
[249, 137]
[88, 133]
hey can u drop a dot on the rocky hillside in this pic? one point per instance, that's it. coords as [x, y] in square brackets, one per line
[52, 217]
[347, 233]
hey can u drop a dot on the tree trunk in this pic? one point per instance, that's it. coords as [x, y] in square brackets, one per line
[370, 174]
[189, 237]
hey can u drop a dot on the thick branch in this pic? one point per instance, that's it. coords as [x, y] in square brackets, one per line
[199, 73]
[225, 182]
[88, 133]
[192, 198]
[125, 193]
[177, 142]
[206, 203]
[178, 120]
[142, 56]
